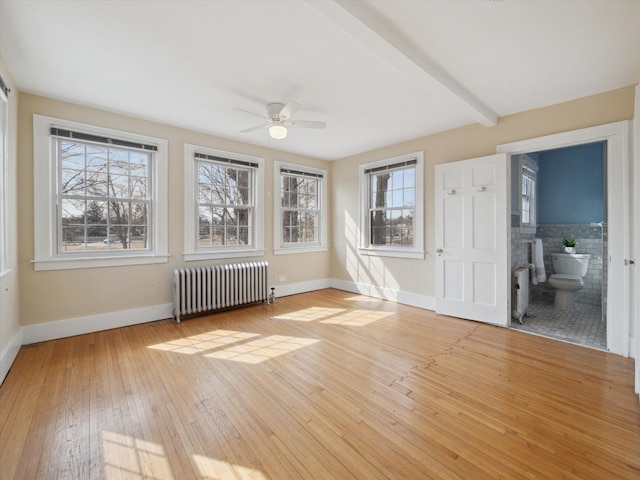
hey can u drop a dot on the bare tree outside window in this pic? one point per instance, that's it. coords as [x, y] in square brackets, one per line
[391, 205]
[224, 205]
[300, 209]
[104, 197]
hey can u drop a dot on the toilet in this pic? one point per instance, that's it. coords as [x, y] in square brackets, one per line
[569, 271]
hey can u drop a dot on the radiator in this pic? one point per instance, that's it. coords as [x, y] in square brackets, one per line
[202, 289]
[520, 293]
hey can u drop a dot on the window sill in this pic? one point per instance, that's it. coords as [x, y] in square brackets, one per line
[96, 262]
[303, 249]
[379, 252]
[194, 257]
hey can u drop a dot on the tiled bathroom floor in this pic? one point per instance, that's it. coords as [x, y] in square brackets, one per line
[583, 326]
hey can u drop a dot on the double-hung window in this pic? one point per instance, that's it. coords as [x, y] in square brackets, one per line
[301, 224]
[392, 207]
[528, 200]
[100, 196]
[223, 207]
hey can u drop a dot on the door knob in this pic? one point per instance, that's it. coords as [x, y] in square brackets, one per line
[439, 251]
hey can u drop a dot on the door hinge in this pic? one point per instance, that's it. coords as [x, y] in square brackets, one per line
[629, 262]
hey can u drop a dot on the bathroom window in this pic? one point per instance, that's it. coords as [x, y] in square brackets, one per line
[528, 200]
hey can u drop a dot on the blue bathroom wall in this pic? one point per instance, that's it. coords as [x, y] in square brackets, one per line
[571, 185]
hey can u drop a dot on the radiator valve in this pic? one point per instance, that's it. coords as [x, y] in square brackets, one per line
[272, 295]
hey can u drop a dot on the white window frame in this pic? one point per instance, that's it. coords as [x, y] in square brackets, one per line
[4, 152]
[281, 248]
[528, 169]
[47, 256]
[191, 250]
[417, 249]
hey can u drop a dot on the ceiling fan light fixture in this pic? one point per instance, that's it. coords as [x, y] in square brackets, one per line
[278, 131]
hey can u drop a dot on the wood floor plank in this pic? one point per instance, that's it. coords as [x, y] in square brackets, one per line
[323, 385]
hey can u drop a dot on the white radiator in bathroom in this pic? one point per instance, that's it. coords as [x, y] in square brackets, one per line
[520, 296]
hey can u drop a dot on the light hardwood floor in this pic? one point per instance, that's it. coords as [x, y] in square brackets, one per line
[321, 385]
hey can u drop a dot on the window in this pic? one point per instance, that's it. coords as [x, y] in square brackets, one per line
[4, 117]
[529, 171]
[300, 206]
[223, 207]
[392, 207]
[100, 196]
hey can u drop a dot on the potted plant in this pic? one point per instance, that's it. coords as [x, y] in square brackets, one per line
[570, 245]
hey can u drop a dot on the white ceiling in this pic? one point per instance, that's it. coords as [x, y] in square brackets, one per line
[378, 72]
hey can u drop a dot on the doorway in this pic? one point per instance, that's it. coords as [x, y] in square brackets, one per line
[617, 296]
[569, 206]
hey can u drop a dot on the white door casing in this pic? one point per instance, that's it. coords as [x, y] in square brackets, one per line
[472, 239]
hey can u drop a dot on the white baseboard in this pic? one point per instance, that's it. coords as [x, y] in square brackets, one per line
[42, 332]
[9, 354]
[406, 298]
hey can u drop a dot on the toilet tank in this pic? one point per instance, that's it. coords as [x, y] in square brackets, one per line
[570, 263]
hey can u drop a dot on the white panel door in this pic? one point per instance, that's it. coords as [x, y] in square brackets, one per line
[472, 263]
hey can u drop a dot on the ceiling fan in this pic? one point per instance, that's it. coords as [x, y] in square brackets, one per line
[278, 118]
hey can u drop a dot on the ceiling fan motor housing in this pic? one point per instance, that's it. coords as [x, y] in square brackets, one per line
[273, 111]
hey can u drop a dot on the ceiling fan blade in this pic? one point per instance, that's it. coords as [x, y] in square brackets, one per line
[307, 124]
[250, 113]
[289, 110]
[253, 129]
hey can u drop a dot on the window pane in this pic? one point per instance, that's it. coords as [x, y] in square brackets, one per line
[204, 193]
[97, 212]
[73, 239]
[73, 212]
[118, 162]
[380, 231]
[409, 197]
[138, 188]
[118, 186]
[71, 155]
[96, 160]
[97, 183]
[138, 214]
[139, 163]
[382, 184]
[72, 182]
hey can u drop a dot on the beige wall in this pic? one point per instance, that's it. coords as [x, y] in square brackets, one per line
[64, 294]
[56, 295]
[418, 276]
[9, 306]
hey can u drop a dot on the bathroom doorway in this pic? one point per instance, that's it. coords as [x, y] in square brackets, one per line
[613, 232]
[570, 207]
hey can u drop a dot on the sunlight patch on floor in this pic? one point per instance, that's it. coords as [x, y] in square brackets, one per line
[128, 457]
[262, 349]
[213, 469]
[357, 318]
[311, 314]
[243, 347]
[204, 342]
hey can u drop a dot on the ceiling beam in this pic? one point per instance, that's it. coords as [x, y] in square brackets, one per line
[387, 41]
